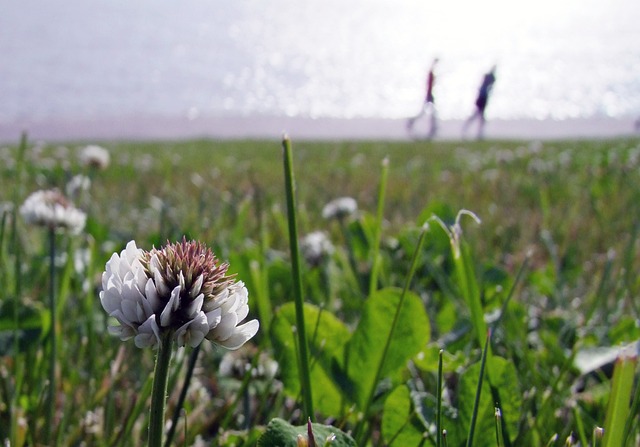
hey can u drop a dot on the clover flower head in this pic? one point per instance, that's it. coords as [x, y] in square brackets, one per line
[340, 208]
[315, 246]
[95, 156]
[50, 208]
[78, 184]
[236, 364]
[180, 290]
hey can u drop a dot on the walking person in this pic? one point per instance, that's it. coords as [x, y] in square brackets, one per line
[428, 106]
[481, 103]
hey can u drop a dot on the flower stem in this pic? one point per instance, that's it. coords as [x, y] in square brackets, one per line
[385, 351]
[52, 338]
[159, 391]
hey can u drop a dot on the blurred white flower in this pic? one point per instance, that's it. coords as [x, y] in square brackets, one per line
[340, 208]
[95, 156]
[78, 183]
[50, 208]
[180, 290]
[238, 363]
[315, 247]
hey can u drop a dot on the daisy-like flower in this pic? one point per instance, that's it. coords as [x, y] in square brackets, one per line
[340, 208]
[95, 156]
[315, 246]
[50, 208]
[181, 291]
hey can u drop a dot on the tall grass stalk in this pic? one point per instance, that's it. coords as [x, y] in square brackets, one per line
[465, 272]
[358, 432]
[439, 401]
[193, 357]
[618, 408]
[476, 404]
[51, 399]
[375, 261]
[303, 347]
[16, 248]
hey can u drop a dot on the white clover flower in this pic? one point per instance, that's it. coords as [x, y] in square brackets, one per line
[78, 183]
[315, 246]
[181, 291]
[50, 208]
[95, 156]
[340, 208]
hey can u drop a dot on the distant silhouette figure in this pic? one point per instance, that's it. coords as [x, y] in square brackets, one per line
[481, 102]
[428, 107]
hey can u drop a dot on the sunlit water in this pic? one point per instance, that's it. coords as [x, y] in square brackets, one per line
[316, 58]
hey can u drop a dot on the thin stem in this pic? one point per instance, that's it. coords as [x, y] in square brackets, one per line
[476, 404]
[394, 324]
[52, 338]
[303, 356]
[439, 402]
[183, 395]
[159, 391]
[17, 283]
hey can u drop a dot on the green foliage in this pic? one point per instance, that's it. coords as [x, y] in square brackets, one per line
[364, 350]
[280, 433]
[401, 425]
[567, 210]
[326, 335]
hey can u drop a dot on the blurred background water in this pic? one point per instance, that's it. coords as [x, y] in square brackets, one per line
[556, 59]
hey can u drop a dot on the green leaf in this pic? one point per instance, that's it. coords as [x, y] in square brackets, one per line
[400, 424]
[427, 359]
[365, 349]
[503, 391]
[326, 336]
[618, 408]
[280, 433]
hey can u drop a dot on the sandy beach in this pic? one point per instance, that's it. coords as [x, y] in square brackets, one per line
[265, 127]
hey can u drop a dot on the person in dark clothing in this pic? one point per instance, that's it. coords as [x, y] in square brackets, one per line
[428, 106]
[481, 102]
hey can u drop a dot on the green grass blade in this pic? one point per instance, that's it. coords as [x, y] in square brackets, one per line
[439, 401]
[375, 261]
[303, 348]
[476, 404]
[618, 409]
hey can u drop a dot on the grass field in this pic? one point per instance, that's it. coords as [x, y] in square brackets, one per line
[551, 269]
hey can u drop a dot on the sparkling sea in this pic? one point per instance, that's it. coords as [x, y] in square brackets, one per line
[556, 59]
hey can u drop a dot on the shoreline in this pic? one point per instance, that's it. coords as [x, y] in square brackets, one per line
[298, 128]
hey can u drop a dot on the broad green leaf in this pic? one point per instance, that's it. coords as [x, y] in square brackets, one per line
[326, 336]
[365, 349]
[282, 434]
[507, 394]
[400, 424]
[427, 359]
[502, 377]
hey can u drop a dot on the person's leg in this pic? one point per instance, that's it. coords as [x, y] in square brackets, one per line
[433, 124]
[412, 121]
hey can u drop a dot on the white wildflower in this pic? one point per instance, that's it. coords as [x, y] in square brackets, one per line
[180, 290]
[315, 247]
[50, 208]
[340, 208]
[95, 156]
